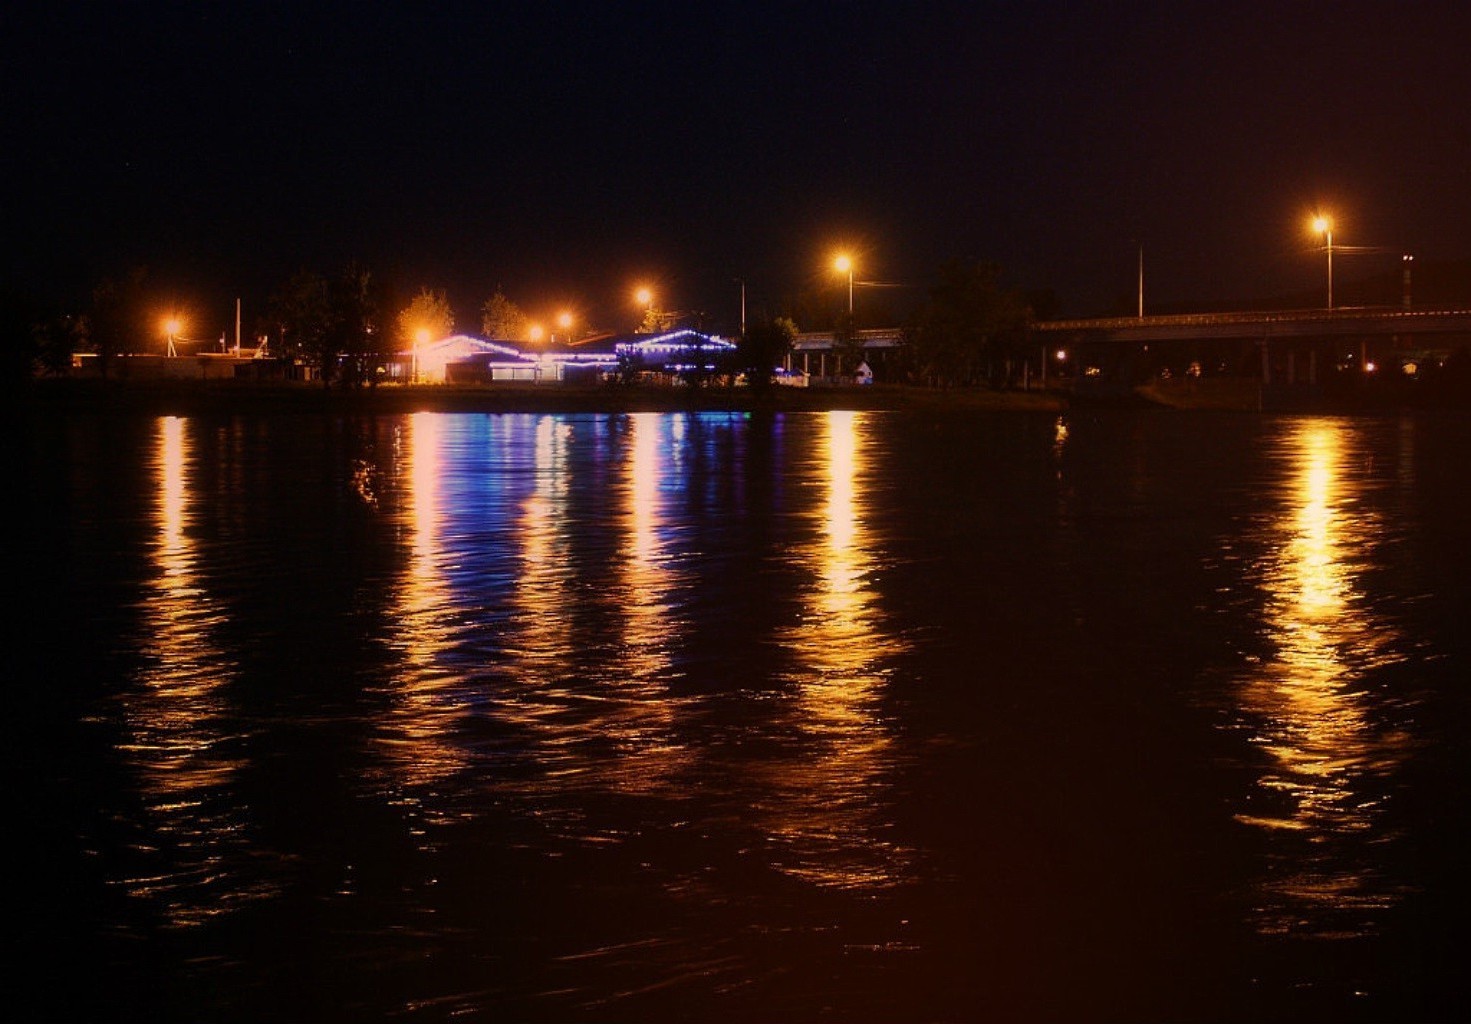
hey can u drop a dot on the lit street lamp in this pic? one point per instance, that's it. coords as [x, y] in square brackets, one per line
[564, 321]
[171, 327]
[645, 298]
[421, 338]
[1324, 226]
[844, 265]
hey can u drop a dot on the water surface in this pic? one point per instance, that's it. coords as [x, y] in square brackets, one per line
[833, 716]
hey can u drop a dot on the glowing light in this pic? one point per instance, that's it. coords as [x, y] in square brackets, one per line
[1309, 713]
[644, 296]
[843, 263]
[1322, 225]
[536, 332]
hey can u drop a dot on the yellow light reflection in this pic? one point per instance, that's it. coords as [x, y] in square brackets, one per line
[1311, 718]
[645, 576]
[641, 718]
[542, 602]
[177, 744]
[827, 816]
[419, 727]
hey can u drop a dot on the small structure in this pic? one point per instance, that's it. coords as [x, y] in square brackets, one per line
[464, 359]
[818, 354]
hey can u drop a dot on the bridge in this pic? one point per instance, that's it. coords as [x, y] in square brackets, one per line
[1279, 347]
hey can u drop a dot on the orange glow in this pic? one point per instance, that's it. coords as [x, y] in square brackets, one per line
[825, 811]
[1307, 712]
[536, 332]
[644, 296]
[843, 263]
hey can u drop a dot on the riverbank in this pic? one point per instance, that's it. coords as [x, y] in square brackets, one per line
[190, 398]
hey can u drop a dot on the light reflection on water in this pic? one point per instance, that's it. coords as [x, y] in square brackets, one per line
[829, 803]
[619, 709]
[1309, 709]
[559, 713]
[177, 718]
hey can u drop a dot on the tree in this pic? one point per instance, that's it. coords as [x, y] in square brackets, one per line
[428, 312]
[502, 320]
[355, 337]
[764, 345]
[969, 329]
[118, 320]
[55, 338]
[657, 321]
[302, 313]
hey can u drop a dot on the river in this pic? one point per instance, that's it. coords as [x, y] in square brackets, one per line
[852, 716]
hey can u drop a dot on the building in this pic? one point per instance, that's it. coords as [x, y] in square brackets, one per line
[463, 359]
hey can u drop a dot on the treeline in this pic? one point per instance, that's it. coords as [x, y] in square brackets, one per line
[969, 329]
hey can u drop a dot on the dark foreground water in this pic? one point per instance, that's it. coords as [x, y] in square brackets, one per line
[847, 716]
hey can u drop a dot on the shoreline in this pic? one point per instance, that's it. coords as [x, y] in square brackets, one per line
[190, 398]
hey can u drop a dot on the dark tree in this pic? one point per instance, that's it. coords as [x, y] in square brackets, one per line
[356, 336]
[55, 339]
[763, 346]
[969, 331]
[118, 321]
[301, 314]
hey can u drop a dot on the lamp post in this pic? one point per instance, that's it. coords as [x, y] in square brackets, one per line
[844, 265]
[645, 298]
[1324, 226]
[564, 321]
[171, 328]
[421, 338]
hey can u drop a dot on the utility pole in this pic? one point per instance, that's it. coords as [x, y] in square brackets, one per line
[1141, 282]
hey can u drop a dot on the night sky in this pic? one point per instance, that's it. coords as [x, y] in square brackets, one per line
[567, 152]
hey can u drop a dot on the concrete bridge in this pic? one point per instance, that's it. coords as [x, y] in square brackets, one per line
[1282, 347]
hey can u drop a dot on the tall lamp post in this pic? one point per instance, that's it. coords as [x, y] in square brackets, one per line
[844, 265]
[171, 328]
[645, 299]
[421, 339]
[1324, 226]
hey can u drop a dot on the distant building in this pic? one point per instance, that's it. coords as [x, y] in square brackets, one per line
[463, 359]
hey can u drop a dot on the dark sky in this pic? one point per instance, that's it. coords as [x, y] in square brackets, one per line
[567, 151]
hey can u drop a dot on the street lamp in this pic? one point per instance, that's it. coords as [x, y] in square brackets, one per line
[564, 321]
[421, 338]
[171, 327]
[1324, 226]
[844, 265]
[645, 298]
[534, 332]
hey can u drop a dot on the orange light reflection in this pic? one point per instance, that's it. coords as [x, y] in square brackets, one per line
[177, 745]
[827, 816]
[1310, 716]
